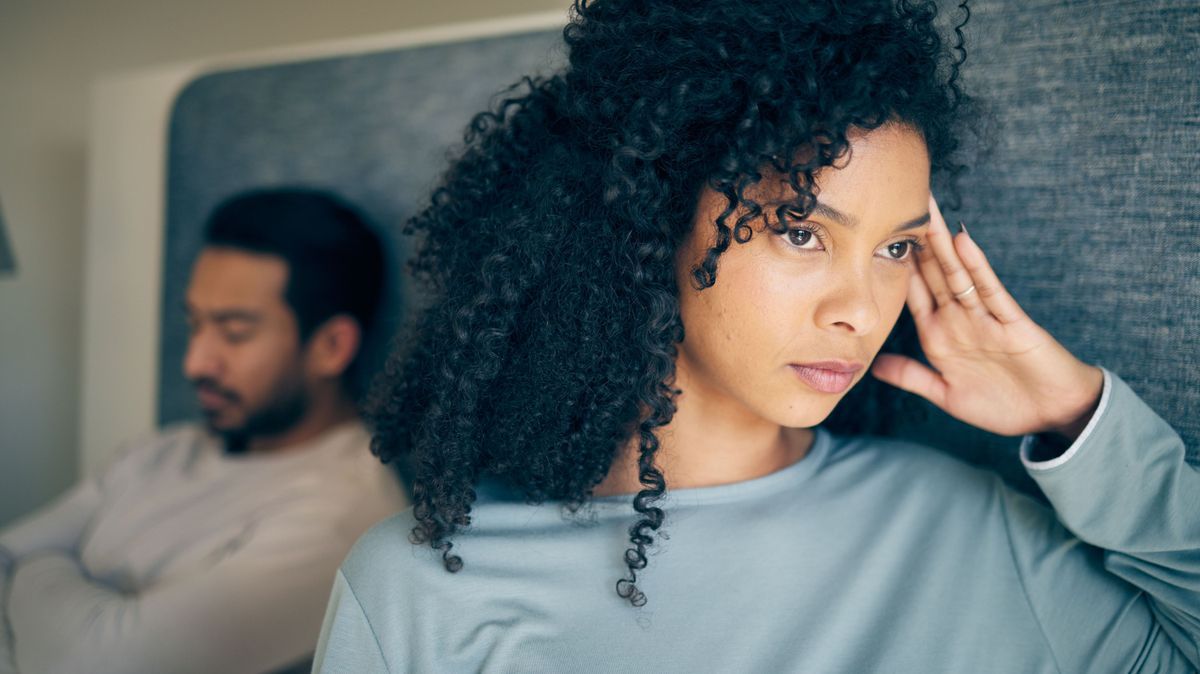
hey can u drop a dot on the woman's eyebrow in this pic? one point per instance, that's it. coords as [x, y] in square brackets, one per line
[912, 224]
[847, 220]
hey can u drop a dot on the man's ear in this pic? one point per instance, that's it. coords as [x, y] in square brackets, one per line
[333, 346]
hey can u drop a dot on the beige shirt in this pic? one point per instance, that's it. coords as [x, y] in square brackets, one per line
[180, 558]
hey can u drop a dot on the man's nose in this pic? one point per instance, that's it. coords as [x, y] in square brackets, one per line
[202, 359]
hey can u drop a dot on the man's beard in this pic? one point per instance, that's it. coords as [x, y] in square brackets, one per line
[286, 407]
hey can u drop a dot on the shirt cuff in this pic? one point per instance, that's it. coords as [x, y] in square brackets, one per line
[1027, 443]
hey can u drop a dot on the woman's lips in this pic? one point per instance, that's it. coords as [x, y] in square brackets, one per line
[827, 376]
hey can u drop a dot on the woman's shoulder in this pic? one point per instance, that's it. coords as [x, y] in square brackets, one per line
[385, 550]
[894, 453]
[863, 459]
[910, 482]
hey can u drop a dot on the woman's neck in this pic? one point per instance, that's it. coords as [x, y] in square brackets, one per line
[712, 439]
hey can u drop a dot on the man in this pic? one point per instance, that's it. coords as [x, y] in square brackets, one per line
[211, 547]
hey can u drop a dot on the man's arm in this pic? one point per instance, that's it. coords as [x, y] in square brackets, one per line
[7, 664]
[59, 526]
[54, 528]
[257, 609]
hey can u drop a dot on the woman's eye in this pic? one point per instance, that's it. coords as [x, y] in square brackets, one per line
[801, 238]
[901, 250]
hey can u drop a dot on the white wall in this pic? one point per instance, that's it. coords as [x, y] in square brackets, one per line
[51, 51]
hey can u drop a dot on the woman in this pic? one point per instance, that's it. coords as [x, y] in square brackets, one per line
[654, 277]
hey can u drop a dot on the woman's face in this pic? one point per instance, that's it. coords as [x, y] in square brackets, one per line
[829, 290]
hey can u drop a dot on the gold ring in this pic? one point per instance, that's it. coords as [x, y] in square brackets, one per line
[968, 291]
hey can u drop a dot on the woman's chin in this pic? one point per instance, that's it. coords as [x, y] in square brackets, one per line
[808, 414]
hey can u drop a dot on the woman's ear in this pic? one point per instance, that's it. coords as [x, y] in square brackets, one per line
[333, 346]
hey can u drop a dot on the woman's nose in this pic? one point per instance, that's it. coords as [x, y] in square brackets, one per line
[850, 305]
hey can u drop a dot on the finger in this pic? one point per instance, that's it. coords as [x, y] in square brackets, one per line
[927, 262]
[958, 279]
[931, 273]
[907, 374]
[920, 299]
[991, 292]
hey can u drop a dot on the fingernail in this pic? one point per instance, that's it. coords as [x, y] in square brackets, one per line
[963, 228]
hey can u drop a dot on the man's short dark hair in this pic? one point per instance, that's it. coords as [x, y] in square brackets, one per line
[335, 260]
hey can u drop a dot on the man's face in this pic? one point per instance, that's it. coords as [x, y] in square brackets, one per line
[244, 353]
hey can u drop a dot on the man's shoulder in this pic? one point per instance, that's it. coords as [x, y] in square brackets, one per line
[152, 445]
[346, 469]
[180, 431]
[171, 434]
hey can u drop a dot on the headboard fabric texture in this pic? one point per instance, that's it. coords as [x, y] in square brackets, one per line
[1088, 204]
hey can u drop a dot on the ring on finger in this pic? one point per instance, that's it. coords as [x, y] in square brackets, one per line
[965, 293]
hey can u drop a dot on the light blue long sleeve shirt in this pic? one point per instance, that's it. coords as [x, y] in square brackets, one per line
[868, 555]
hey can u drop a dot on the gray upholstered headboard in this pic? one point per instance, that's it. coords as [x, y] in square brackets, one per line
[1089, 207]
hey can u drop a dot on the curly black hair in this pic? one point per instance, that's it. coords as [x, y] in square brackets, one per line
[548, 252]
